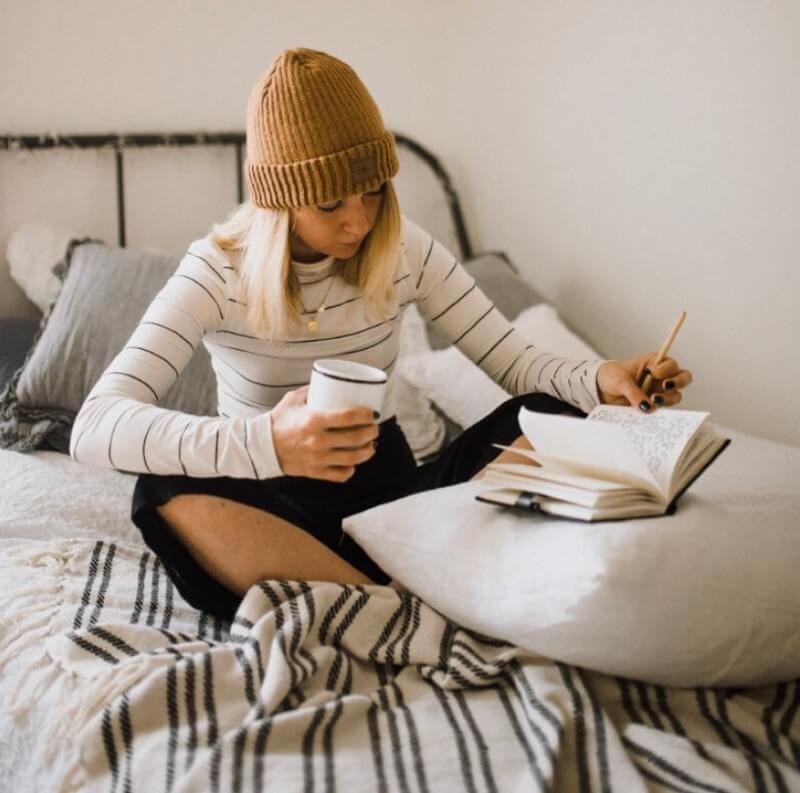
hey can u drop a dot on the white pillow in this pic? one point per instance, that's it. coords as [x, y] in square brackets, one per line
[32, 250]
[708, 596]
[423, 427]
[463, 391]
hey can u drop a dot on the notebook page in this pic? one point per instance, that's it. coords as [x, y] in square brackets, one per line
[595, 449]
[659, 438]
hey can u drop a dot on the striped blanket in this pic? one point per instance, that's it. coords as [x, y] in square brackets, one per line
[327, 687]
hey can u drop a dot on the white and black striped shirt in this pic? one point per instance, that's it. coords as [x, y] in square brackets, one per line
[120, 426]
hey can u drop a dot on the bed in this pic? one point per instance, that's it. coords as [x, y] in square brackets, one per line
[110, 681]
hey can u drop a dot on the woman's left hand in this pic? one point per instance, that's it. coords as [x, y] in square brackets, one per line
[618, 382]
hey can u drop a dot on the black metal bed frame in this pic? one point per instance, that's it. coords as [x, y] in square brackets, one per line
[119, 142]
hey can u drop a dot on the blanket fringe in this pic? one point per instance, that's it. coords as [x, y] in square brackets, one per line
[40, 553]
[32, 572]
[27, 627]
[85, 701]
[75, 779]
[41, 674]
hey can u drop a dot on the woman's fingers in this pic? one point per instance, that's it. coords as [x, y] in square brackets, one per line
[668, 377]
[344, 419]
[353, 438]
[336, 473]
[667, 368]
[666, 398]
[677, 381]
[347, 458]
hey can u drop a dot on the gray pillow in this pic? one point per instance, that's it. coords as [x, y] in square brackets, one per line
[104, 294]
[496, 277]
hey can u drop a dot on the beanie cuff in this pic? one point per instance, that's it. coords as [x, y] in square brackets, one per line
[323, 179]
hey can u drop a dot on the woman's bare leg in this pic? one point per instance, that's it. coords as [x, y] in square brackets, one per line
[509, 457]
[240, 545]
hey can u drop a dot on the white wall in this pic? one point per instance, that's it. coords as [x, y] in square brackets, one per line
[633, 157]
[639, 157]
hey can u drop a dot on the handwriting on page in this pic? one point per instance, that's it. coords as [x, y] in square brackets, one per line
[659, 438]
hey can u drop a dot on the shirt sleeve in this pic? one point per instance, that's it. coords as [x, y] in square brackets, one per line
[120, 426]
[448, 296]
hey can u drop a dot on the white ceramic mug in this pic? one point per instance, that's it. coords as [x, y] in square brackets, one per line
[339, 384]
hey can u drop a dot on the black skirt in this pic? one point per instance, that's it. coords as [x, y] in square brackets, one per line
[318, 506]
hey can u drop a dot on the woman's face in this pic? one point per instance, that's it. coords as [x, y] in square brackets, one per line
[334, 229]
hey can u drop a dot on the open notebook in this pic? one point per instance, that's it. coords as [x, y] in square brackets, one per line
[617, 463]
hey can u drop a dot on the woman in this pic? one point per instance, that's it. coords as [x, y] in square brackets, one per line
[318, 264]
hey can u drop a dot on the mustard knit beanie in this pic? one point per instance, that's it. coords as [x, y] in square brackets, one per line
[314, 134]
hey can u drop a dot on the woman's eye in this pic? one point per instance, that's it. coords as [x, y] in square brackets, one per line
[334, 207]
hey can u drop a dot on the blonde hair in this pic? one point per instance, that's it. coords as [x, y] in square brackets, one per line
[269, 287]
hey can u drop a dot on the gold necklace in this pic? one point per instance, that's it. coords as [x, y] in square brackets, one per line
[313, 324]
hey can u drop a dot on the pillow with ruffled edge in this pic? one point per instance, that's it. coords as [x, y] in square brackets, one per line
[32, 252]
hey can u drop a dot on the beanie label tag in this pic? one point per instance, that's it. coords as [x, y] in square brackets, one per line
[363, 168]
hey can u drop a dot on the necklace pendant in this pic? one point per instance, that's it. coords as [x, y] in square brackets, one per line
[312, 325]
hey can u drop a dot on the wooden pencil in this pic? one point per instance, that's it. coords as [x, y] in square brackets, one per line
[662, 353]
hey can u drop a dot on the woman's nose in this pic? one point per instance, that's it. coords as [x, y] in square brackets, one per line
[356, 220]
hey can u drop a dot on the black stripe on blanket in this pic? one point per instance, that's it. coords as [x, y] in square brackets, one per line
[581, 730]
[87, 590]
[117, 643]
[481, 746]
[672, 770]
[539, 708]
[174, 723]
[138, 603]
[625, 688]
[602, 761]
[109, 745]
[413, 737]
[662, 700]
[190, 703]
[755, 758]
[458, 734]
[126, 729]
[385, 675]
[100, 598]
[154, 582]
[524, 742]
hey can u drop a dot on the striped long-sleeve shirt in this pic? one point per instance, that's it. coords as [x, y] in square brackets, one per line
[119, 424]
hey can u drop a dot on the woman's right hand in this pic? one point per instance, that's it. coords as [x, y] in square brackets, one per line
[321, 445]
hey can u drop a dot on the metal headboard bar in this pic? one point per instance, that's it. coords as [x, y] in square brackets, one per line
[120, 142]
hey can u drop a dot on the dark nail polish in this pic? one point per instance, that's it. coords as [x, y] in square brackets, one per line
[669, 385]
[376, 415]
[644, 405]
[658, 399]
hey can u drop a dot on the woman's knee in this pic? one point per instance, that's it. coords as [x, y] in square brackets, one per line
[239, 544]
[506, 456]
[189, 514]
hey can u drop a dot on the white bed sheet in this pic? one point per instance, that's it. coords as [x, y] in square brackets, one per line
[47, 495]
